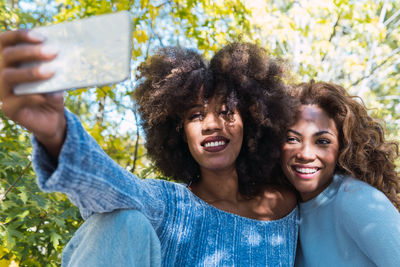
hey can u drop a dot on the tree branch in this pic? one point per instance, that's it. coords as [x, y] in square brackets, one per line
[163, 4]
[332, 35]
[393, 17]
[395, 52]
[136, 143]
[136, 150]
[100, 112]
[15, 182]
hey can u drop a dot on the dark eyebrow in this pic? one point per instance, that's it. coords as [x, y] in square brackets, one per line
[316, 134]
[293, 131]
[323, 132]
[195, 106]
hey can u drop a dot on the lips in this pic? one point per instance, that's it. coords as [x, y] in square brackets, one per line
[214, 143]
[305, 172]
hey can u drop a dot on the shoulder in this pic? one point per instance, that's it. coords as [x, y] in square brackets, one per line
[368, 217]
[357, 200]
[280, 200]
[354, 193]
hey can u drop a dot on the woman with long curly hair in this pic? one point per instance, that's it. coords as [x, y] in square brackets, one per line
[216, 128]
[337, 158]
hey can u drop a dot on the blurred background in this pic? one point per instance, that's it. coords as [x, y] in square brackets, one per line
[352, 43]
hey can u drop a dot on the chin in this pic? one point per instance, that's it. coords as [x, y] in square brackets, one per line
[304, 189]
[215, 166]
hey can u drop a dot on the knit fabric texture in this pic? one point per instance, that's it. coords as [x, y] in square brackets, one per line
[191, 232]
[349, 224]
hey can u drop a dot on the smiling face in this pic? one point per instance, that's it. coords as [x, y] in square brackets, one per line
[214, 135]
[310, 152]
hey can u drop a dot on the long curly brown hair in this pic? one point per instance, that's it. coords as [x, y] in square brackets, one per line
[363, 151]
[243, 76]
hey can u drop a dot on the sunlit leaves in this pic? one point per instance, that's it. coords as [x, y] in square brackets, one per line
[353, 43]
[27, 215]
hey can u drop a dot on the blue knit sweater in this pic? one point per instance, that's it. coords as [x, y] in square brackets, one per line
[191, 232]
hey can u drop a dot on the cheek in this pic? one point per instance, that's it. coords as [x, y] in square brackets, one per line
[286, 154]
[236, 135]
[240, 136]
[191, 145]
[332, 162]
[331, 157]
[189, 137]
[193, 149]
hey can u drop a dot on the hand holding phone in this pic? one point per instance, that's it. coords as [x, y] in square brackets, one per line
[87, 56]
[91, 52]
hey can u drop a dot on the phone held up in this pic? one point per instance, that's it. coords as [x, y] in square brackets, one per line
[91, 52]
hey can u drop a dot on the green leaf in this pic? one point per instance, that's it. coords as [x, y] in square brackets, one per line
[55, 239]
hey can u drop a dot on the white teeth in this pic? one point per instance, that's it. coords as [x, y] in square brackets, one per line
[214, 144]
[306, 170]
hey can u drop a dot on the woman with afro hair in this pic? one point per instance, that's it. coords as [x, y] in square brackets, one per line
[215, 129]
[337, 158]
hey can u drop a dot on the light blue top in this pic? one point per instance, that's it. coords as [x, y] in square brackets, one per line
[349, 224]
[191, 232]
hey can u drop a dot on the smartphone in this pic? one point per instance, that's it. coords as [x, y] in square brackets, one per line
[91, 52]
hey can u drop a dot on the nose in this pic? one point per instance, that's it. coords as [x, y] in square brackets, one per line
[212, 122]
[306, 153]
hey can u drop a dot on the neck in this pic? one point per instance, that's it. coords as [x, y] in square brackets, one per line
[217, 186]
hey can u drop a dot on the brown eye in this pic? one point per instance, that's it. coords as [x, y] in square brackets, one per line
[197, 115]
[323, 141]
[291, 140]
[226, 112]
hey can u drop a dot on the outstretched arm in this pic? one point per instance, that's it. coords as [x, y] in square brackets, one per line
[66, 158]
[42, 115]
[91, 179]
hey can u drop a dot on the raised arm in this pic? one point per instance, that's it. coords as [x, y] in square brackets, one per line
[91, 179]
[42, 115]
[66, 158]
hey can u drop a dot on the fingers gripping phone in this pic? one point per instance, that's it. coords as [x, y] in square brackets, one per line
[91, 52]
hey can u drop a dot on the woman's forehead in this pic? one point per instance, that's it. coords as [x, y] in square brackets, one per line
[214, 101]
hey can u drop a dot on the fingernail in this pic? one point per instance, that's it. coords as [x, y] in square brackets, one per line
[36, 36]
[48, 50]
[46, 70]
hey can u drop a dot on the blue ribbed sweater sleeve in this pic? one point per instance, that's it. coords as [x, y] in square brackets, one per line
[372, 221]
[349, 224]
[92, 180]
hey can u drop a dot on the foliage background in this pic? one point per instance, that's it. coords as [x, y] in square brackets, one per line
[353, 43]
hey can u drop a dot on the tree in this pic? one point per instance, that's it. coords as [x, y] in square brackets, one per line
[353, 43]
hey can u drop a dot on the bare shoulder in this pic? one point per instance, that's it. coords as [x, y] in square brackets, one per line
[279, 200]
